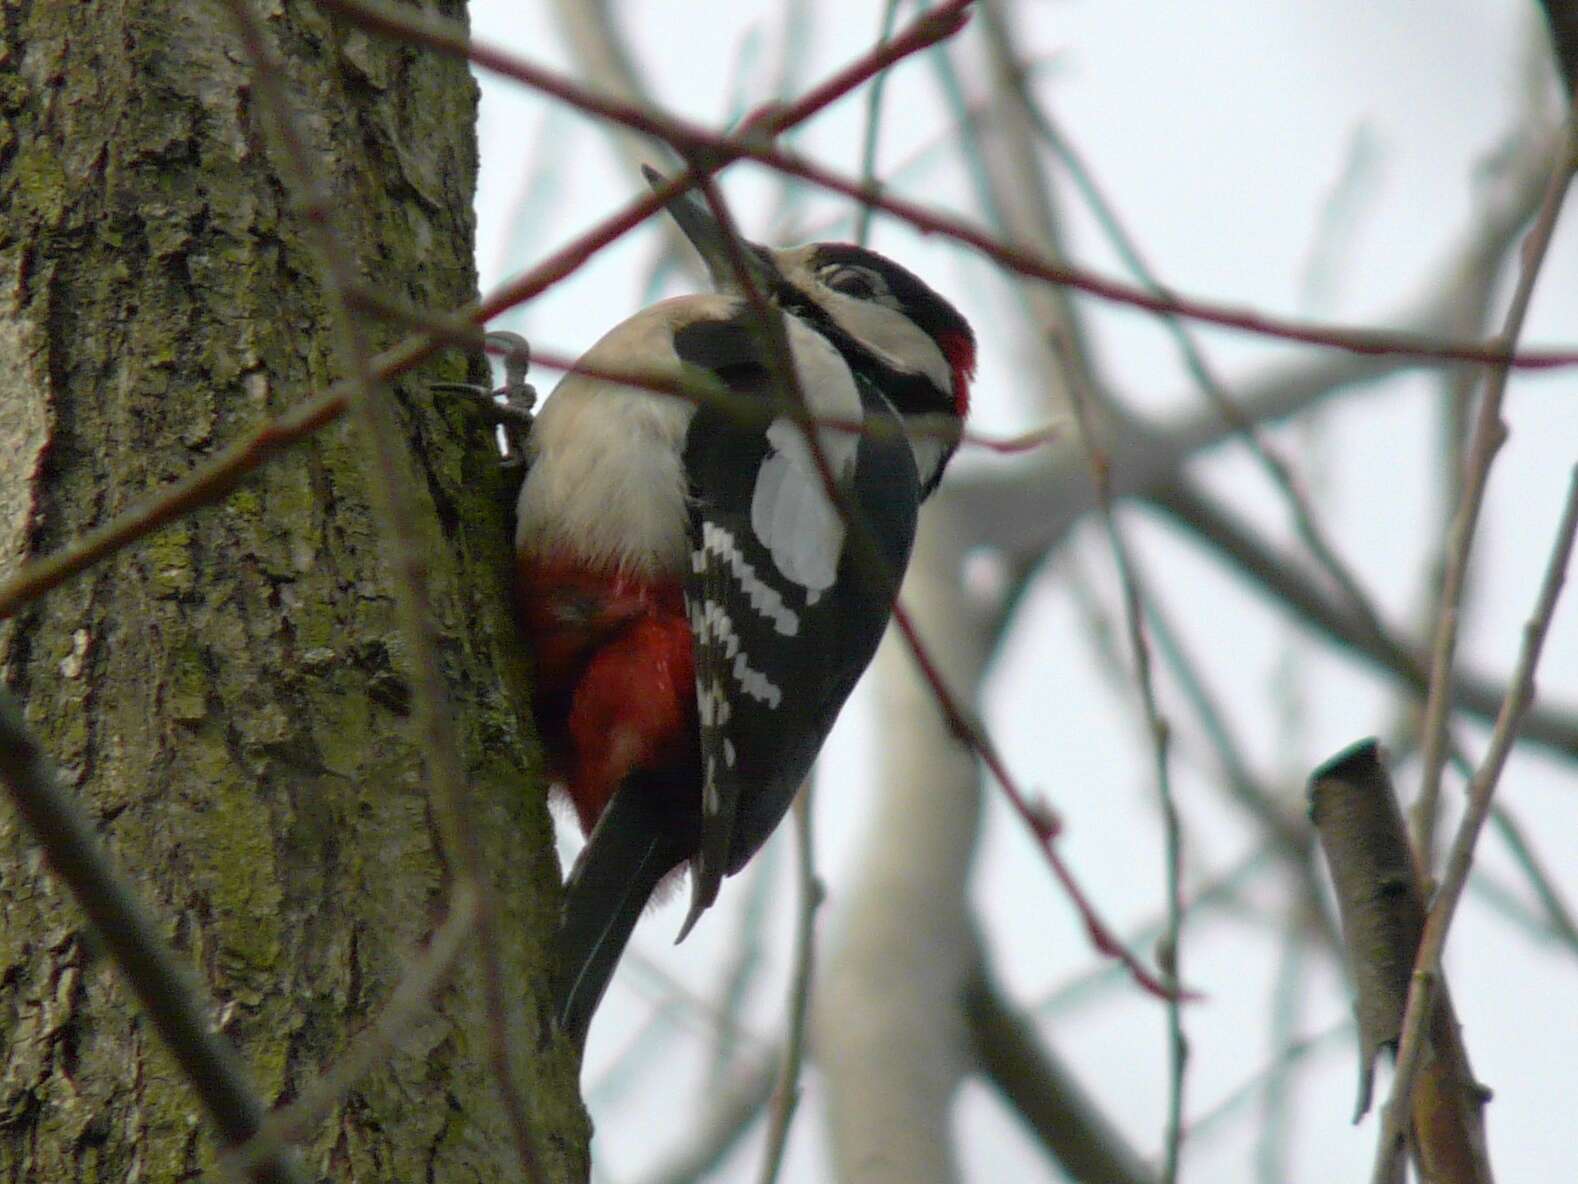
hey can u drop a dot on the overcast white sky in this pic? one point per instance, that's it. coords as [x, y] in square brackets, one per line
[1220, 128]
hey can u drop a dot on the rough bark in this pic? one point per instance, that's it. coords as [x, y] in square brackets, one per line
[229, 697]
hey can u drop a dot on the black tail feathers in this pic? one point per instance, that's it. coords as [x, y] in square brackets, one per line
[631, 849]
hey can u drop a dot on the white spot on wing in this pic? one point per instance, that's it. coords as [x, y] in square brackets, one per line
[763, 597]
[791, 512]
[792, 516]
[712, 625]
[712, 704]
[756, 684]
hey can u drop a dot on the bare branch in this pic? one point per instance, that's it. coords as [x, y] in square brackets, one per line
[1489, 433]
[1045, 1094]
[1134, 616]
[786, 1093]
[1427, 966]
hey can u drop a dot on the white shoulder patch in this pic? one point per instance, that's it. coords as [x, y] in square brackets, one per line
[791, 514]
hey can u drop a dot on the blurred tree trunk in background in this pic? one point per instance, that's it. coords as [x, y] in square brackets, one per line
[229, 698]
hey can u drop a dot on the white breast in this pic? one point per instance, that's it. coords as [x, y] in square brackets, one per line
[606, 481]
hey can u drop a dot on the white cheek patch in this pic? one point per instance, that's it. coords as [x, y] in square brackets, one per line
[931, 438]
[892, 336]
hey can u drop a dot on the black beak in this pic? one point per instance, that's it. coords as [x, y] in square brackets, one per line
[710, 241]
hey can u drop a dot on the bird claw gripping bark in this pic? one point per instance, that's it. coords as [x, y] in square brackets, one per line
[508, 406]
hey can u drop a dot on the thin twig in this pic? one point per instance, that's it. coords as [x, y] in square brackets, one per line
[1489, 433]
[786, 1094]
[868, 146]
[688, 139]
[1042, 821]
[712, 151]
[219, 476]
[1227, 890]
[1170, 958]
[1294, 591]
[1427, 965]
[166, 989]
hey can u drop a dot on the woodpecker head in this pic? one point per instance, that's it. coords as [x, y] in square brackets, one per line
[888, 324]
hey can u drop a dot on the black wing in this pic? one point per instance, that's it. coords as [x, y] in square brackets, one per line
[779, 646]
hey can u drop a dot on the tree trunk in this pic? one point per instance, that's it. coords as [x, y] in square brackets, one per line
[229, 698]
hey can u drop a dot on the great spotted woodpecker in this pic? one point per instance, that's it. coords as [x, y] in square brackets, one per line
[699, 609]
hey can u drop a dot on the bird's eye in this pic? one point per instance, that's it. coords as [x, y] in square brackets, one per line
[852, 281]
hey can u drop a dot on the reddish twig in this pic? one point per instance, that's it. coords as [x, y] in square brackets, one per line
[1043, 822]
[711, 151]
[1134, 617]
[218, 477]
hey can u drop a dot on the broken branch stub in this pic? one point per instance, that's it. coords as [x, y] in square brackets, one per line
[1360, 826]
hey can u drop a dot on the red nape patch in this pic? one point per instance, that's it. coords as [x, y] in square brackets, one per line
[959, 348]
